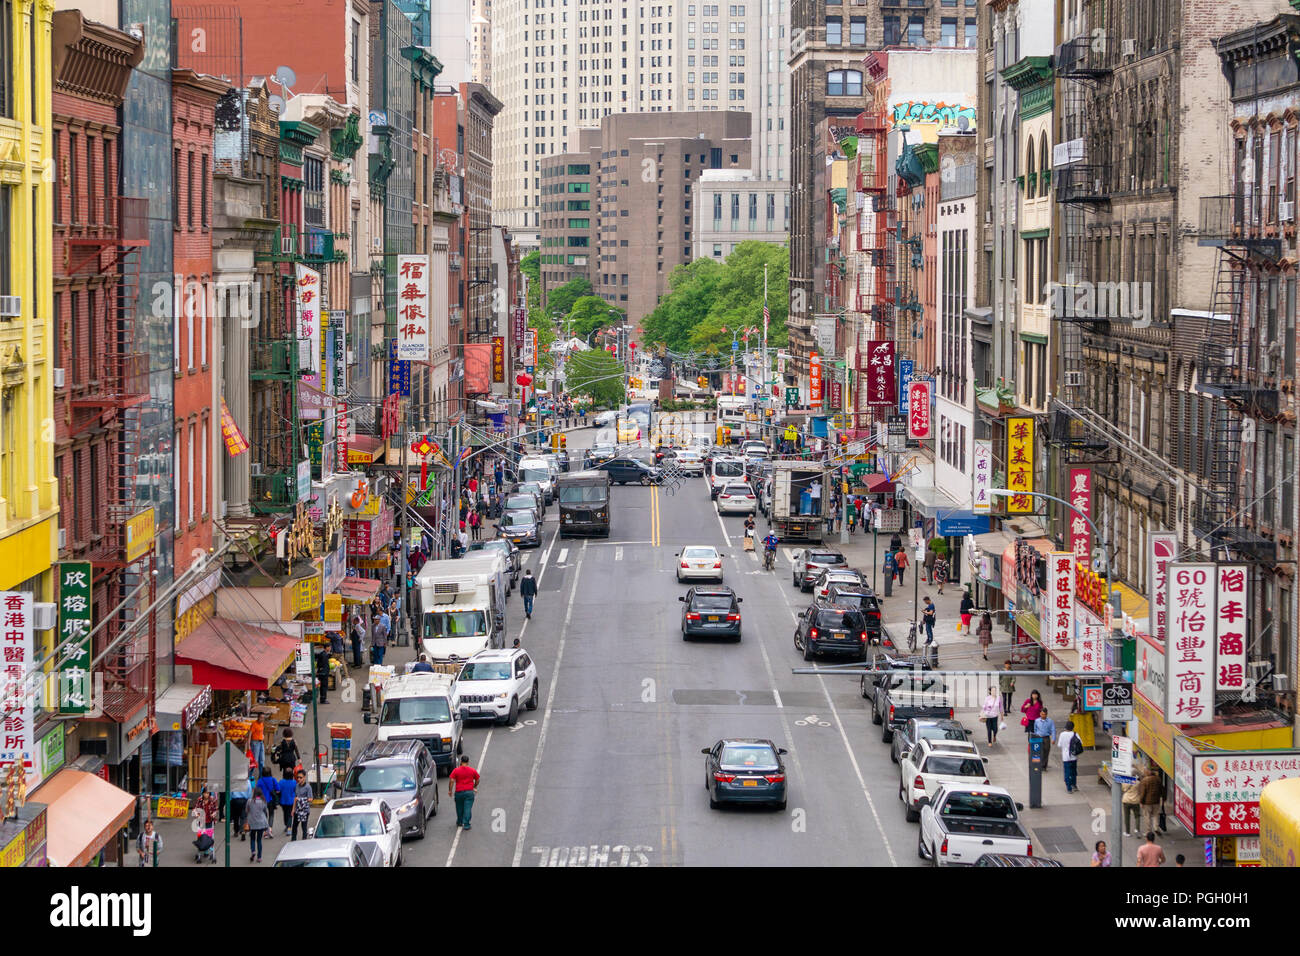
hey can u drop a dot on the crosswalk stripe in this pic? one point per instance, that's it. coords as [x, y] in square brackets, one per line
[564, 554]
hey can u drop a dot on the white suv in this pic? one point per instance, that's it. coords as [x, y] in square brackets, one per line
[922, 768]
[496, 683]
[365, 819]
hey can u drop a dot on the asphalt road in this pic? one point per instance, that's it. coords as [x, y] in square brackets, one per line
[608, 771]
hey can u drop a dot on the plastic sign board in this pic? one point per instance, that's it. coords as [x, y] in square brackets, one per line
[982, 477]
[1230, 617]
[1057, 608]
[1020, 465]
[1189, 647]
[881, 383]
[814, 381]
[1081, 500]
[1162, 547]
[906, 367]
[920, 410]
[413, 319]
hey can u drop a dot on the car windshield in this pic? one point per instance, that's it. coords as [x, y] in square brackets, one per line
[737, 490]
[954, 766]
[826, 557]
[518, 518]
[985, 806]
[535, 474]
[349, 825]
[582, 494]
[416, 710]
[379, 778]
[521, 502]
[533, 487]
[748, 757]
[915, 684]
[486, 670]
[454, 624]
[318, 861]
[712, 602]
[855, 599]
[940, 732]
[728, 469]
[841, 620]
[699, 553]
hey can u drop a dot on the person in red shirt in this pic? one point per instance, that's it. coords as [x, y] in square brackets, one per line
[462, 784]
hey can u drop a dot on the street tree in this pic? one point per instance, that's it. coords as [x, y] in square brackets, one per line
[596, 374]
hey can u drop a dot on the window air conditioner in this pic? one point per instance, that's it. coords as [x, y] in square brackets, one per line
[45, 616]
[58, 378]
[1129, 47]
[11, 306]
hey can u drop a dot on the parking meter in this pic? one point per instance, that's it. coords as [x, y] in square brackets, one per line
[1037, 758]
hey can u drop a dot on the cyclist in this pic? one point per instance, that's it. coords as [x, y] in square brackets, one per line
[769, 549]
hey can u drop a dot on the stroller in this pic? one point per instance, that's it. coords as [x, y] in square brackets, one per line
[205, 846]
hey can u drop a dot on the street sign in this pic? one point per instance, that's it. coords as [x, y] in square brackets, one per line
[791, 396]
[1121, 760]
[1092, 697]
[1117, 701]
[839, 423]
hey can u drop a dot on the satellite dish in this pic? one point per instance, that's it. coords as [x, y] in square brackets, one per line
[276, 103]
[285, 76]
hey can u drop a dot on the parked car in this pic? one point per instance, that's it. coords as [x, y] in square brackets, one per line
[864, 599]
[402, 774]
[710, 612]
[898, 695]
[826, 629]
[366, 820]
[495, 684]
[508, 549]
[809, 562]
[822, 583]
[922, 768]
[328, 852]
[926, 728]
[623, 470]
[745, 770]
[964, 822]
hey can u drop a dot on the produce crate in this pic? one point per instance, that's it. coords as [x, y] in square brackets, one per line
[340, 730]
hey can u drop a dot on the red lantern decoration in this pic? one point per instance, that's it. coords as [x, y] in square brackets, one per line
[632, 346]
[524, 379]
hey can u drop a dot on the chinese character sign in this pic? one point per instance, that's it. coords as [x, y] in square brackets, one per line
[236, 443]
[1057, 608]
[814, 381]
[1092, 648]
[1162, 547]
[343, 431]
[1020, 465]
[518, 337]
[413, 308]
[498, 359]
[16, 702]
[982, 477]
[880, 374]
[1230, 627]
[307, 296]
[1081, 500]
[1226, 787]
[906, 367]
[1189, 647]
[837, 396]
[528, 354]
[74, 636]
[920, 410]
[399, 372]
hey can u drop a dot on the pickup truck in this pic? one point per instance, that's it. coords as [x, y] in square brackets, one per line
[901, 693]
[963, 822]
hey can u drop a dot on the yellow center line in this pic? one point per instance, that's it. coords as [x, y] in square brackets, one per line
[654, 516]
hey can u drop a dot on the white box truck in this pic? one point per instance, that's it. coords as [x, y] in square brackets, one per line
[790, 480]
[463, 605]
[423, 707]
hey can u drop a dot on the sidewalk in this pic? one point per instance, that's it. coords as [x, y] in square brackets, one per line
[1068, 824]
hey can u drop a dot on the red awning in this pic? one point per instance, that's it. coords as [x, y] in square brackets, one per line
[879, 484]
[364, 449]
[358, 590]
[232, 655]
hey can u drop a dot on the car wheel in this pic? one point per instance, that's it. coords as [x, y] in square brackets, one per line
[645, 480]
[424, 826]
[901, 798]
[532, 700]
[920, 846]
[794, 581]
[910, 814]
[460, 747]
[808, 652]
[934, 856]
[398, 862]
[780, 805]
[875, 714]
[893, 755]
[713, 804]
[513, 717]
[679, 577]
[886, 734]
[434, 811]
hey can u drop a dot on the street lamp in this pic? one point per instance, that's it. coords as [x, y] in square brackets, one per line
[1117, 642]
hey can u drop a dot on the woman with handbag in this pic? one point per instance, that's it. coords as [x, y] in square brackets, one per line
[992, 712]
[985, 634]
[1031, 708]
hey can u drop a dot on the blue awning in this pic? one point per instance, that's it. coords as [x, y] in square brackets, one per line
[958, 523]
[819, 427]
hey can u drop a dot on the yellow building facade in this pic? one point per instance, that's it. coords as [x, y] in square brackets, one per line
[28, 488]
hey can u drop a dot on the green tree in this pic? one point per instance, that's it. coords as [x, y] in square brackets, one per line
[560, 301]
[596, 374]
[590, 313]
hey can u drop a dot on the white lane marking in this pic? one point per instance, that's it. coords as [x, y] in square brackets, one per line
[455, 841]
[564, 556]
[835, 717]
[546, 716]
[725, 536]
[547, 556]
[593, 855]
[618, 553]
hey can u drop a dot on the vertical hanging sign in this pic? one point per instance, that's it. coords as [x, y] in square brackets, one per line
[919, 410]
[307, 296]
[74, 636]
[1020, 465]
[1230, 627]
[1162, 547]
[413, 308]
[906, 369]
[1058, 608]
[1189, 647]
[815, 382]
[498, 359]
[982, 477]
[1081, 499]
[15, 700]
[881, 385]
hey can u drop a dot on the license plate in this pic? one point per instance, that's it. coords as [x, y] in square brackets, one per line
[713, 618]
[475, 709]
[750, 783]
[839, 635]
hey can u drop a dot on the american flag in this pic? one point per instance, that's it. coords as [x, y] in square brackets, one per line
[767, 316]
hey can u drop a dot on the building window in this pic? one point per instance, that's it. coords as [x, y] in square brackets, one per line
[834, 31]
[844, 83]
[857, 31]
[203, 468]
[971, 34]
[916, 31]
[947, 32]
[356, 51]
[7, 82]
[893, 31]
[6, 238]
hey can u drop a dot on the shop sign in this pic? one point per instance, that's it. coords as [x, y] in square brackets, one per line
[305, 595]
[313, 629]
[139, 535]
[906, 370]
[520, 315]
[18, 703]
[335, 569]
[15, 852]
[1020, 465]
[1230, 617]
[1092, 648]
[1162, 547]
[837, 400]
[1248, 852]
[982, 477]
[1092, 697]
[195, 708]
[920, 410]
[1057, 611]
[49, 756]
[297, 541]
[399, 372]
[75, 612]
[1081, 499]
[236, 443]
[1225, 787]
[881, 384]
[498, 359]
[307, 297]
[365, 537]
[1155, 737]
[173, 808]
[814, 381]
[339, 319]
[1150, 675]
[413, 308]
[791, 396]
[529, 352]
[889, 520]
[34, 833]
[1189, 648]
[341, 426]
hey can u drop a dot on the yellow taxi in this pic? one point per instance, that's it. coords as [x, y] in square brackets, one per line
[628, 431]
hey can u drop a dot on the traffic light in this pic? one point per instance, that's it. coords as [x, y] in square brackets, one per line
[702, 381]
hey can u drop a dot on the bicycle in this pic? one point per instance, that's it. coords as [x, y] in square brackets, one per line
[912, 630]
[769, 558]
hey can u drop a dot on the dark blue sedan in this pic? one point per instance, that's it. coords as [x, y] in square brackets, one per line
[745, 770]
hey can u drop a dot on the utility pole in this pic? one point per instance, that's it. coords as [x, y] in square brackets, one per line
[404, 625]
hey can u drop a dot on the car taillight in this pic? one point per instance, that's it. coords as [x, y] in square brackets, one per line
[717, 564]
[986, 783]
[891, 712]
[863, 637]
[1029, 849]
[918, 783]
[950, 713]
[692, 616]
[733, 617]
[812, 633]
[943, 847]
[685, 565]
[774, 778]
[724, 777]
[888, 642]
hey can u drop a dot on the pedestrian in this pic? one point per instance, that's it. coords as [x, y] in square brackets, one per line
[929, 615]
[385, 596]
[148, 845]
[1149, 853]
[302, 798]
[323, 672]
[1006, 682]
[1100, 855]
[285, 793]
[336, 644]
[815, 496]
[238, 804]
[966, 610]
[208, 804]
[1151, 793]
[900, 564]
[1045, 727]
[1071, 747]
[985, 635]
[991, 711]
[358, 635]
[941, 572]
[528, 591]
[1179, 860]
[269, 787]
[895, 542]
[1031, 708]
[1132, 805]
[422, 666]
[257, 739]
[378, 641]
[258, 823]
[474, 523]
[930, 557]
[286, 754]
[462, 785]
[463, 538]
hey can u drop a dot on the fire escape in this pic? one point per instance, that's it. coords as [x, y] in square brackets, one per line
[112, 403]
[873, 181]
[1227, 370]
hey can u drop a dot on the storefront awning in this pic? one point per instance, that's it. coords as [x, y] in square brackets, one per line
[929, 501]
[179, 705]
[358, 590]
[84, 813]
[232, 655]
[364, 449]
[878, 484]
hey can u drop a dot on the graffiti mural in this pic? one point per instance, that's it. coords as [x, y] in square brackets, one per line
[940, 114]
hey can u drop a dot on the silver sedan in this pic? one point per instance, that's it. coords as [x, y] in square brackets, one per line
[737, 498]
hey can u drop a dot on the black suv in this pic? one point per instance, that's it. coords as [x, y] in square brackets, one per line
[864, 599]
[710, 612]
[402, 774]
[825, 628]
[623, 470]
